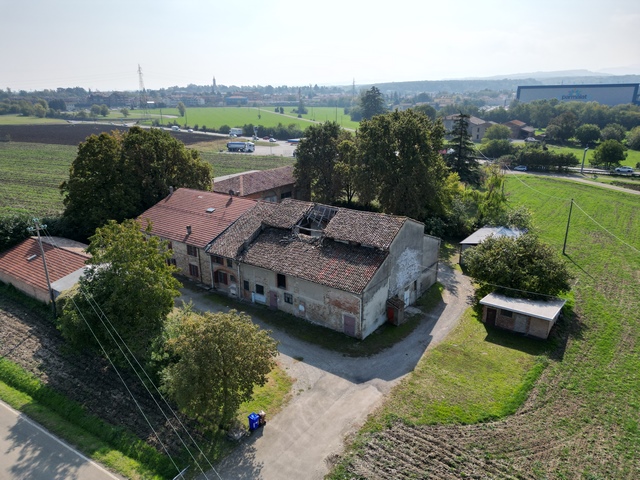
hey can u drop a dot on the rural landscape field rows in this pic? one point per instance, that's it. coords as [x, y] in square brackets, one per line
[582, 418]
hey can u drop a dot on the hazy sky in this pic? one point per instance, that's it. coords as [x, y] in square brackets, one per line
[98, 45]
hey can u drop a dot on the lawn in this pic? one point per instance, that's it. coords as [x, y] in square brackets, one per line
[12, 119]
[577, 396]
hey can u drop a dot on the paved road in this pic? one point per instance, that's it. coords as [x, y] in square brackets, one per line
[333, 394]
[27, 451]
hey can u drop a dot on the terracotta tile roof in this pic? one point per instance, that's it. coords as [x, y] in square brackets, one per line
[231, 241]
[516, 123]
[329, 263]
[256, 182]
[60, 262]
[367, 228]
[288, 213]
[185, 206]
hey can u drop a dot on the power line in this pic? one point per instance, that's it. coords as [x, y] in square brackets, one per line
[104, 351]
[102, 316]
[605, 229]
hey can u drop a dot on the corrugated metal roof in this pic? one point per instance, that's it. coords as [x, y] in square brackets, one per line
[482, 234]
[186, 207]
[543, 309]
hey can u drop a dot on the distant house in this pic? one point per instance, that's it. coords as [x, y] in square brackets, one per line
[22, 266]
[476, 128]
[520, 130]
[270, 185]
[529, 317]
[189, 219]
[344, 269]
[482, 234]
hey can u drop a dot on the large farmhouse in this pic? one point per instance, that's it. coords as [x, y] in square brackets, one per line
[344, 269]
[189, 219]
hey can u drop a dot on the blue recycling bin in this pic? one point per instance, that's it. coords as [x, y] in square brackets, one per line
[254, 421]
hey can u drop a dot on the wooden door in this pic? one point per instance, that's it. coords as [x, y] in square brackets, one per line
[349, 327]
[491, 317]
[273, 299]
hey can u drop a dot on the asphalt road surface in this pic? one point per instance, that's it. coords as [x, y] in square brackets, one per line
[27, 451]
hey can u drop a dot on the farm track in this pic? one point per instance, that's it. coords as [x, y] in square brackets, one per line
[34, 343]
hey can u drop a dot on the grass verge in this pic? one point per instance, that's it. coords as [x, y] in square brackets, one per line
[111, 446]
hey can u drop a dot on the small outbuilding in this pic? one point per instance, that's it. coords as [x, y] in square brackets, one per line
[479, 236]
[529, 317]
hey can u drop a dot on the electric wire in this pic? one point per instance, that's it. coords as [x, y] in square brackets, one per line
[102, 316]
[125, 384]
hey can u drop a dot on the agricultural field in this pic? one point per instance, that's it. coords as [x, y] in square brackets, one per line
[37, 161]
[576, 397]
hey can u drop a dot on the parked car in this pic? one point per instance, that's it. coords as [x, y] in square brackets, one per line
[531, 140]
[272, 140]
[624, 170]
[521, 168]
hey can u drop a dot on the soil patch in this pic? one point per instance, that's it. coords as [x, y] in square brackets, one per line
[74, 133]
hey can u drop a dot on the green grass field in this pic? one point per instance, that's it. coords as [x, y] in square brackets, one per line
[633, 156]
[582, 415]
[215, 117]
[20, 120]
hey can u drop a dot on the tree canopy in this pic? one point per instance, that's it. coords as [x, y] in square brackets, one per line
[218, 359]
[608, 153]
[517, 267]
[315, 166]
[497, 132]
[462, 157]
[401, 165]
[372, 103]
[129, 283]
[119, 175]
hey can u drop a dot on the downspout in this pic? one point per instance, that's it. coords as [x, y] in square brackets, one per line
[240, 288]
[211, 271]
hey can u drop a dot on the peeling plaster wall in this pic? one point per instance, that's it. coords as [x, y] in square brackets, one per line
[431, 249]
[183, 260]
[313, 302]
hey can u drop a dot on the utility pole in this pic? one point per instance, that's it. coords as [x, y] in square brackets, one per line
[566, 234]
[37, 228]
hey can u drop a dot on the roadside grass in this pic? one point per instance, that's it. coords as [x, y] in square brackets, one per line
[582, 392]
[113, 447]
[226, 164]
[271, 397]
[384, 337]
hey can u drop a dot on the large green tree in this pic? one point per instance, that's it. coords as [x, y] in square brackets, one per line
[461, 158]
[608, 153]
[129, 289]
[400, 164]
[517, 267]
[117, 176]
[315, 166]
[563, 127]
[588, 134]
[372, 103]
[497, 132]
[218, 359]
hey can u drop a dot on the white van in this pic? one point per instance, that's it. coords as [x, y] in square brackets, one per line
[175, 128]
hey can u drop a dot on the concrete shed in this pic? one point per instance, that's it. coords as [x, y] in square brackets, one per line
[530, 317]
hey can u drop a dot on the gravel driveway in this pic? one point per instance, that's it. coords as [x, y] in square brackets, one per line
[332, 394]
